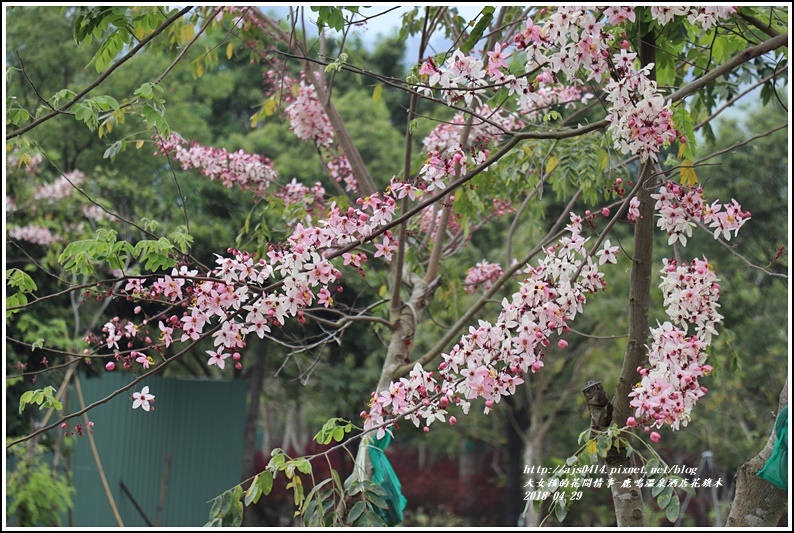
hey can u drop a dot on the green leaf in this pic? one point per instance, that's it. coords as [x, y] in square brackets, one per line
[44, 398]
[265, 482]
[226, 502]
[113, 150]
[552, 163]
[236, 514]
[665, 497]
[15, 300]
[689, 489]
[370, 519]
[303, 465]
[20, 280]
[253, 493]
[479, 29]
[356, 511]
[86, 114]
[154, 254]
[377, 500]
[181, 238]
[673, 509]
[277, 461]
[216, 507]
[377, 93]
[656, 490]
[559, 510]
[651, 466]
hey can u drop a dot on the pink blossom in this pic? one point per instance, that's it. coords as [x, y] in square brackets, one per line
[167, 333]
[634, 209]
[140, 358]
[496, 60]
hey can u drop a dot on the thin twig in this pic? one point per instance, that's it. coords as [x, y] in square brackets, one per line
[740, 256]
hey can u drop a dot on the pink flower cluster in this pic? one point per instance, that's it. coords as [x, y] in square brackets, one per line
[534, 104]
[60, 188]
[94, 212]
[706, 17]
[490, 360]
[690, 294]
[446, 136]
[574, 41]
[32, 234]
[29, 163]
[483, 274]
[462, 77]
[640, 120]
[634, 209]
[670, 388]
[307, 117]
[309, 122]
[680, 207]
[310, 198]
[237, 297]
[445, 151]
[430, 219]
[249, 171]
[339, 170]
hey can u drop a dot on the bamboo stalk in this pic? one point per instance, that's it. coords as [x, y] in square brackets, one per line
[96, 455]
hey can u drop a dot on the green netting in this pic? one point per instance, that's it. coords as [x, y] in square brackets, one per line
[776, 468]
[383, 474]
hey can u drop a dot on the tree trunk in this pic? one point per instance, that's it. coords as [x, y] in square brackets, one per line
[627, 500]
[253, 517]
[533, 456]
[629, 510]
[515, 425]
[758, 503]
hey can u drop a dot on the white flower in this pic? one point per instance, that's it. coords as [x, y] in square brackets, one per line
[608, 254]
[142, 399]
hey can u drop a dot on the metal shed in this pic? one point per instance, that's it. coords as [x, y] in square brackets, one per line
[162, 467]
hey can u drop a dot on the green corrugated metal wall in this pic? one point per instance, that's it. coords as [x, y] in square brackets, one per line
[200, 422]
